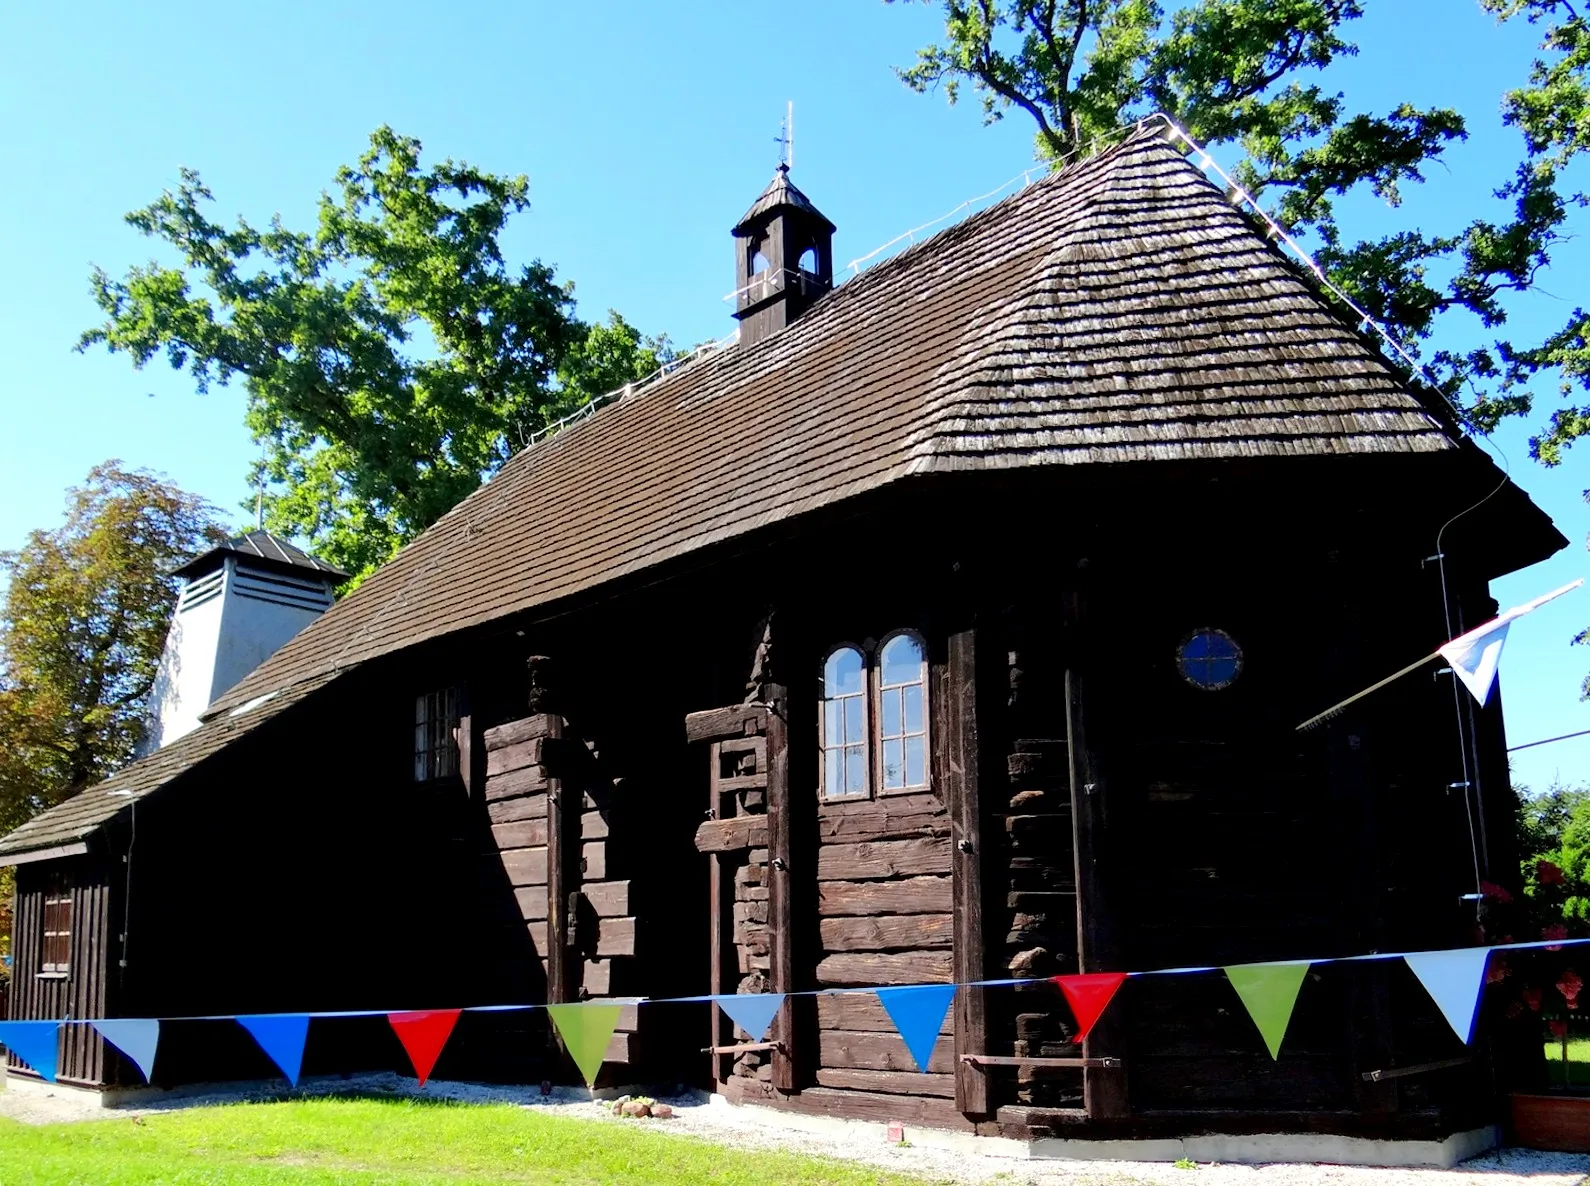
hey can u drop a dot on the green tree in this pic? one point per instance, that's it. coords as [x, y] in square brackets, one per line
[392, 359]
[1243, 77]
[83, 622]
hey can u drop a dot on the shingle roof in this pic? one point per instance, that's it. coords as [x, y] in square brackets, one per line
[1120, 310]
[781, 191]
[88, 810]
[261, 545]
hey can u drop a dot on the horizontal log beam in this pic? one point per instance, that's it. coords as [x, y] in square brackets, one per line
[527, 780]
[615, 936]
[532, 900]
[529, 833]
[887, 932]
[908, 817]
[714, 723]
[525, 866]
[502, 736]
[608, 899]
[882, 859]
[514, 757]
[851, 969]
[902, 1083]
[909, 895]
[862, 1011]
[516, 808]
[878, 1051]
[732, 834]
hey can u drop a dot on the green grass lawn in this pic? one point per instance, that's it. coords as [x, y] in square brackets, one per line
[390, 1143]
[1574, 1072]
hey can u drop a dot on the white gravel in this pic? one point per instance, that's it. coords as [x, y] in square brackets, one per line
[853, 1141]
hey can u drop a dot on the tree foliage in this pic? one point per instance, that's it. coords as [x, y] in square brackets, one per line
[392, 358]
[1245, 76]
[84, 620]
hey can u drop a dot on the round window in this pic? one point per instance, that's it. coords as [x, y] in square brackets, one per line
[1209, 659]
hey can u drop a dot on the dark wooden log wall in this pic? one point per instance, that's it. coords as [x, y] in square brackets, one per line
[884, 900]
[550, 839]
[85, 991]
[736, 841]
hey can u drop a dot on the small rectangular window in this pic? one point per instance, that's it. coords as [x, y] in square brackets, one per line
[56, 954]
[435, 747]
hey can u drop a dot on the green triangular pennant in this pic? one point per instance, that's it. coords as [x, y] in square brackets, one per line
[586, 1030]
[1269, 991]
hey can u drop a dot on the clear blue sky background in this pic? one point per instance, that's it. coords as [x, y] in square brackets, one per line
[645, 129]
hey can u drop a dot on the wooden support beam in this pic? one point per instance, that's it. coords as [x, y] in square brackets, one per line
[563, 878]
[781, 906]
[715, 723]
[741, 1048]
[960, 771]
[472, 753]
[1103, 1086]
[729, 835]
[1010, 1060]
[1418, 1069]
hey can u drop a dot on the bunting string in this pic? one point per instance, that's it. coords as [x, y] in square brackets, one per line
[1454, 978]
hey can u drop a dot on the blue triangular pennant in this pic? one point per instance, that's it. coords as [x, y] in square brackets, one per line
[36, 1043]
[751, 1011]
[134, 1037]
[1454, 980]
[918, 1013]
[281, 1036]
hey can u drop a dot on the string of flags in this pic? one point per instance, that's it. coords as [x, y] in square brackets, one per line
[1454, 979]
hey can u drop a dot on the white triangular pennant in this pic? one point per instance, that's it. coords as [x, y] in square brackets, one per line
[1454, 980]
[1474, 658]
[135, 1037]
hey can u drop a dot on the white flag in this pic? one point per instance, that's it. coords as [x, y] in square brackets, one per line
[1474, 656]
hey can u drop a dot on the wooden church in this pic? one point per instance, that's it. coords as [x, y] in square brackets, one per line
[954, 624]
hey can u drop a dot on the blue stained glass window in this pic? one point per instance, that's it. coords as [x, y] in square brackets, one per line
[1209, 659]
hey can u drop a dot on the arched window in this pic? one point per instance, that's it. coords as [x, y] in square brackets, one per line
[874, 721]
[902, 714]
[808, 261]
[844, 724]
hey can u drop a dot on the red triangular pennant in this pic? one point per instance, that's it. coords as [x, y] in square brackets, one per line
[423, 1035]
[1087, 995]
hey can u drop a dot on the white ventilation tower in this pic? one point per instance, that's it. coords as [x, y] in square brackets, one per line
[239, 603]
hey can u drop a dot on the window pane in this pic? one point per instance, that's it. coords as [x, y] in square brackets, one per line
[855, 770]
[842, 675]
[855, 727]
[833, 722]
[420, 715]
[834, 772]
[421, 764]
[915, 762]
[913, 708]
[891, 712]
[893, 765]
[902, 660]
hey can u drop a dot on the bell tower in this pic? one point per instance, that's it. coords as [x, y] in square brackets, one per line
[784, 259]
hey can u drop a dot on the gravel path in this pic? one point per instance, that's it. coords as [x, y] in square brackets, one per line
[853, 1141]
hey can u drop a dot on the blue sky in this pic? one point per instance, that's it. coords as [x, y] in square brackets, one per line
[645, 130]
